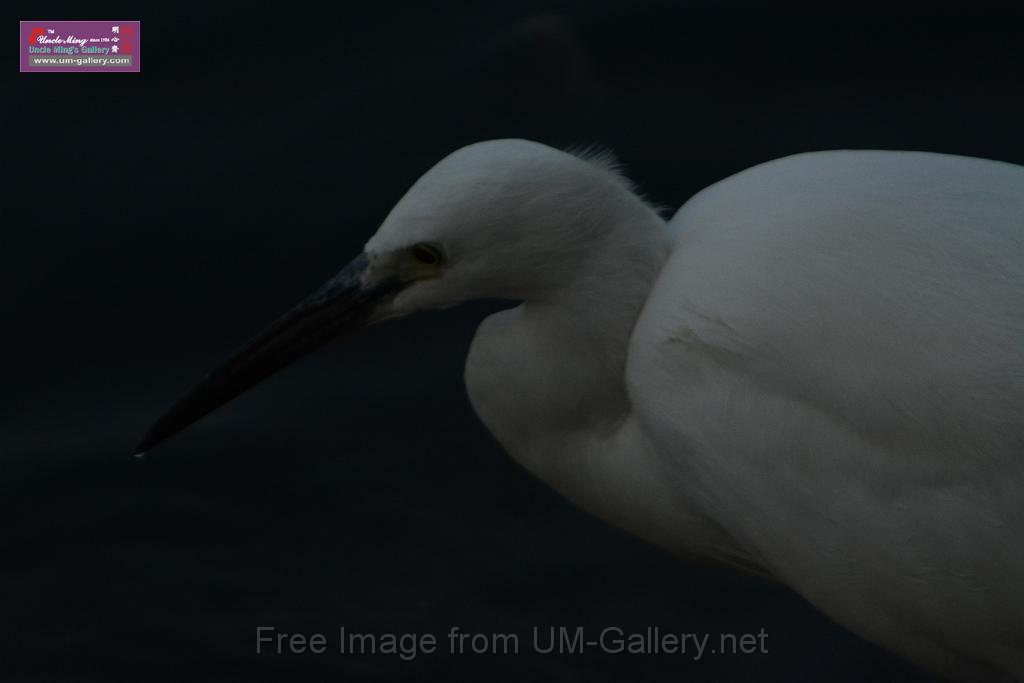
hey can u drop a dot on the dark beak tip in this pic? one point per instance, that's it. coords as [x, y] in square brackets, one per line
[342, 305]
[150, 440]
[142, 448]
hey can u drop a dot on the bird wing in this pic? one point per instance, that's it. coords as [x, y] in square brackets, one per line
[832, 355]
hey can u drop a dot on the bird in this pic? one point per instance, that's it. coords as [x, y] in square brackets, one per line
[813, 371]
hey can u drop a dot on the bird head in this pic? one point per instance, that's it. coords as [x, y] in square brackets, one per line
[507, 219]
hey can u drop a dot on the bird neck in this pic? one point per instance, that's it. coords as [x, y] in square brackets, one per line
[548, 379]
[553, 368]
[592, 318]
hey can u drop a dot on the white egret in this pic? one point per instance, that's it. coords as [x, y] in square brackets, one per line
[813, 371]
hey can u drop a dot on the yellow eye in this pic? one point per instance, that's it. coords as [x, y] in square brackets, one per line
[428, 254]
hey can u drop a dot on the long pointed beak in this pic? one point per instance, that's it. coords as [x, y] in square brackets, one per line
[343, 305]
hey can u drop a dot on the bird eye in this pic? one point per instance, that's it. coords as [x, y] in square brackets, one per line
[427, 253]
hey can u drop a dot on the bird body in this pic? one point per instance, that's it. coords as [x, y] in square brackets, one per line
[812, 372]
[821, 382]
[840, 336]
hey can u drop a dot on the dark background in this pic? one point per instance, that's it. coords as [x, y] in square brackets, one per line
[154, 221]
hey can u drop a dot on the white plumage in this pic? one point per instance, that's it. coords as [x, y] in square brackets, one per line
[839, 336]
[813, 371]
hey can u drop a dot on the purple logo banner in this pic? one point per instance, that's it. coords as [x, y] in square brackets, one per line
[80, 46]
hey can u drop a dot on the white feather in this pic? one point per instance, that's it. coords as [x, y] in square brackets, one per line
[813, 371]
